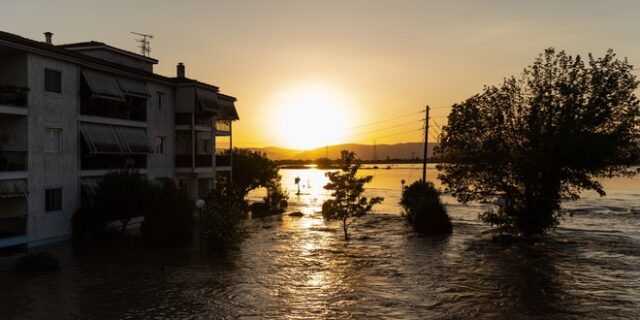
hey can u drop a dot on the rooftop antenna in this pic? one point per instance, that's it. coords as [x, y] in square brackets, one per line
[145, 46]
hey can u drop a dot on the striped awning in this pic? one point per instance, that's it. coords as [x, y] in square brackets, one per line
[207, 100]
[13, 188]
[134, 88]
[103, 85]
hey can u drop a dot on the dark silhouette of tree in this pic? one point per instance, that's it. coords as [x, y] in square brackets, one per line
[424, 210]
[252, 170]
[347, 189]
[543, 137]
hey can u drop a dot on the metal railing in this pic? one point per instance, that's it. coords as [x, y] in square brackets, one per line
[13, 227]
[13, 160]
[13, 96]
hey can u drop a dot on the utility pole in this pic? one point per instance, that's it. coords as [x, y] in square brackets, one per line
[426, 144]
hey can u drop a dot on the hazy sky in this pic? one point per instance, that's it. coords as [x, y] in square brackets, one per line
[370, 60]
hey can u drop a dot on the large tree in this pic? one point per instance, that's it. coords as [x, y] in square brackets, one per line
[252, 170]
[543, 137]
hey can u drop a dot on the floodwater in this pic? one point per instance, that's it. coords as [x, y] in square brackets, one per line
[301, 268]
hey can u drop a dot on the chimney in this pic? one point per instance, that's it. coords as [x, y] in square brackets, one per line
[180, 70]
[48, 37]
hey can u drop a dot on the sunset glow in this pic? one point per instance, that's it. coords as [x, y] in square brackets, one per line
[310, 116]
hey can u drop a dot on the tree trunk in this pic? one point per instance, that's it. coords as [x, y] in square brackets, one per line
[345, 228]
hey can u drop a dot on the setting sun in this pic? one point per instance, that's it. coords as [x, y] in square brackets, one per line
[311, 116]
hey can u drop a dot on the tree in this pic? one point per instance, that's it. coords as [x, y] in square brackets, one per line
[221, 218]
[123, 196]
[252, 170]
[543, 137]
[168, 218]
[423, 209]
[347, 189]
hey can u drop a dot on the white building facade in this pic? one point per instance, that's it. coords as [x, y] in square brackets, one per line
[69, 114]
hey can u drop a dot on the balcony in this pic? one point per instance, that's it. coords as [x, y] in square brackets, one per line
[201, 161]
[113, 161]
[13, 160]
[200, 119]
[13, 96]
[13, 227]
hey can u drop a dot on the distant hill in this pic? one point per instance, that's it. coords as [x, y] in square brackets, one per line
[363, 151]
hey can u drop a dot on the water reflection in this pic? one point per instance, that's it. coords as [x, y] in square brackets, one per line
[300, 268]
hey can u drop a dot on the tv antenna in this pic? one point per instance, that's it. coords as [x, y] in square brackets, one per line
[145, 46]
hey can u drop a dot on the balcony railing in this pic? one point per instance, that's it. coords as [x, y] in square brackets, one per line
[202, 161]
[223, 125]
[13, 160]
[200, 119]
[112, 162]
[134, 109]
[13, 227]
[13, 96]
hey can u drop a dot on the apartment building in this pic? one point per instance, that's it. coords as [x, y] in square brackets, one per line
[71, 113]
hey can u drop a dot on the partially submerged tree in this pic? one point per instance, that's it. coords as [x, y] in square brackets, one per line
[252, 170]
[543, 137]
[424, 210]
[220, 220]
[347, 189]
[123, 196]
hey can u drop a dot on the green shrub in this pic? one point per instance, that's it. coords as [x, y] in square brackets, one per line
[424, 210]
[88, 222]
[37, 262]
[221, 218]
[168, 220]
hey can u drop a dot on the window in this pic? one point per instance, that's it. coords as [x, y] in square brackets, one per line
[160, 145]
[53, 200]
[53, 141]
[160, 95]
[52, 81]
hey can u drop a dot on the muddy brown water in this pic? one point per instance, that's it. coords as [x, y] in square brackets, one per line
[301, 268]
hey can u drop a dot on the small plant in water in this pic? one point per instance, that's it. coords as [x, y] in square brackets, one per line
[37, 262]
[348, 204]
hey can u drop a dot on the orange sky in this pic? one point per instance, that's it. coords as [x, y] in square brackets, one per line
[309, 73]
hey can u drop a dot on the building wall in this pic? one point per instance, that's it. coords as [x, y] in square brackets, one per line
[50, 110]
[160, 122]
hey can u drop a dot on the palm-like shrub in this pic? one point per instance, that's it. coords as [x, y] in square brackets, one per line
[424, 210]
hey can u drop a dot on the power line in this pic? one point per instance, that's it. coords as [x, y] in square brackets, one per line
[347, 129]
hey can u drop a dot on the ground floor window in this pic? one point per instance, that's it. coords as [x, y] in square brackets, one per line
[53, 199]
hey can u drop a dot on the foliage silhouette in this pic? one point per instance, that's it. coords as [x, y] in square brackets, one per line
[221, 218]
[123, 196]
[542, 137]
[252, 170]
[423, 209]
[168, 219]
[347, 189]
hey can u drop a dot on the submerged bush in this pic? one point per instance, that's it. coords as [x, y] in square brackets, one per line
[221, 218]
[36, 262]
[424, 210]
[88, 222]
[168, 220]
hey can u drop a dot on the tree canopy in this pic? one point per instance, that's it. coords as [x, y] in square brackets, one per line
[252, 169]
[349, 204]
[543, 137]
